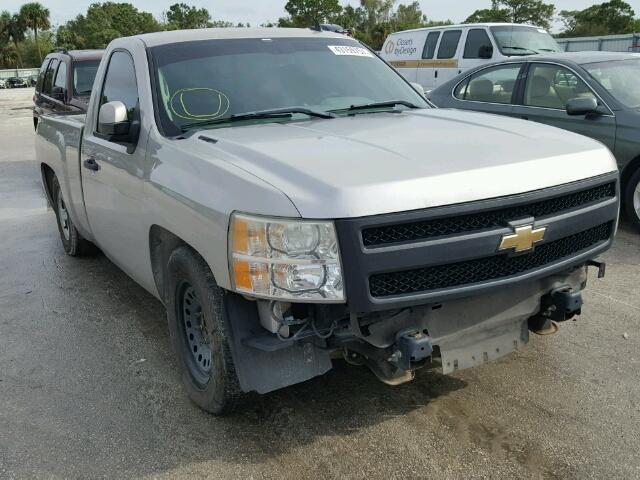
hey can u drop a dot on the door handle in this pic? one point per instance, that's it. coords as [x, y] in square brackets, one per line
[91, 164]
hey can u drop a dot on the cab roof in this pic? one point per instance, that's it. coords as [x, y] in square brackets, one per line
[176, 36]
[469, 25]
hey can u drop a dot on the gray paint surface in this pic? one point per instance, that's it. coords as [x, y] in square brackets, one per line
[78, 402]
[346, 167]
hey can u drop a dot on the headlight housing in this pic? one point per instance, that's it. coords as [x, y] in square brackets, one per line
[285, 259]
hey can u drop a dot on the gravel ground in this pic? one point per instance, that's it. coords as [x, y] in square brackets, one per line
[89, 387]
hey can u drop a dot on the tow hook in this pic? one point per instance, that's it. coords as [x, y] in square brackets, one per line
[601, 266]
[559, 305]
[413, 346]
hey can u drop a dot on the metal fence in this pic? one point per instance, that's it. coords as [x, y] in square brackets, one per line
[609, 43]
[18, 72]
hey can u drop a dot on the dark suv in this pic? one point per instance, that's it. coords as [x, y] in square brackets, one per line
[65, 81]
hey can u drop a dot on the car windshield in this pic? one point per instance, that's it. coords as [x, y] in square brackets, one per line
[84, 73]
[619, 78]
[210, 81]
[522, 40]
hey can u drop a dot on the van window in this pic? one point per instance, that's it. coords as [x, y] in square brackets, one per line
[48, 77]
[492, 85]
[449, 44]
[430, 45]
[477, 39]
[41, 73]
[61, 76]
[552, 86]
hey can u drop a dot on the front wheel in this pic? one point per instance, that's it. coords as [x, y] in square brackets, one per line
[74, 244]
[196, 317]
[632, 199]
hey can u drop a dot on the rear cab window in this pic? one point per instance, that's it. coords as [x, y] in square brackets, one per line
[84, 74]
[48, 76]
[61, 76]
[43, 70]
[449, 44]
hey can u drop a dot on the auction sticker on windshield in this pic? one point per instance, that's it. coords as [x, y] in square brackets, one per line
[352, 51]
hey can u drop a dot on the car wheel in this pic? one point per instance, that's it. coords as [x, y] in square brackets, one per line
[73, 243]
[632, 199]
[197, 326]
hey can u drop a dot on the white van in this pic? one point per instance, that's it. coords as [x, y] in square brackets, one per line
[431, 56]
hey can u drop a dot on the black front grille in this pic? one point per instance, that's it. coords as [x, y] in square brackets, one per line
[421, 230]
[486, 269]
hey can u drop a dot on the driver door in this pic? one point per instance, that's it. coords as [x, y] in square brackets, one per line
[112, 173]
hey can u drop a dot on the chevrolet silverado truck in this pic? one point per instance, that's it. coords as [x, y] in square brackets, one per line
[292, 200]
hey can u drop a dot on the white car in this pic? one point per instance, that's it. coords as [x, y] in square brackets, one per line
[432, 56]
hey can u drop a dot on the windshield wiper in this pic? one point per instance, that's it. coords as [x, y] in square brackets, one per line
[519, 48]
[548, 50]
[387, 104]
[283, 113]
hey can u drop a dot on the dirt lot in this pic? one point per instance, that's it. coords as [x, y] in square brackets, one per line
[89, 387]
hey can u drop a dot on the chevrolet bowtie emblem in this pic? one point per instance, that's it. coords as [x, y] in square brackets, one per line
[523, 239]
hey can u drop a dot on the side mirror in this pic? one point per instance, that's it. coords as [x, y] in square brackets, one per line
[113, 120]
[485, 51]
[59, 93]
[418, 88]
[582, 106]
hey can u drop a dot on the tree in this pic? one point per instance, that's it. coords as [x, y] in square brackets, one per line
[534, 12]
[35, 17]
[13, 29]
[609, 18]
[307, 13]
[181, 16]
[489, 15]
[408, 17]
[103, 22]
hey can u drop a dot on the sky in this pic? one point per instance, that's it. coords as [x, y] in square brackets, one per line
[260, 11]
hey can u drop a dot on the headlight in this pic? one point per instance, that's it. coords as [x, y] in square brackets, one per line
[285, 259]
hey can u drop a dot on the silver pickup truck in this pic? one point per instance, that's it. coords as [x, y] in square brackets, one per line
[291, 199]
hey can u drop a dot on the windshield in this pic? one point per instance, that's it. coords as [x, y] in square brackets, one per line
[84, 73]
[620, 79]
[521, 40]
[212, 80]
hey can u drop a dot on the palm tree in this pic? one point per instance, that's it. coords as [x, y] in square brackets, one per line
[35, 17]
[12, 28]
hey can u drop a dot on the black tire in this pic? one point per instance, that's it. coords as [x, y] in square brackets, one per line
[72, 242]
[631, 199]
[196, 317]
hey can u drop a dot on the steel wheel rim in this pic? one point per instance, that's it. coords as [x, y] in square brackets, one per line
[195, 334]
[63, 215]
[636, 200]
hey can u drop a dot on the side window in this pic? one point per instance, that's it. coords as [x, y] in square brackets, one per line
[552, 86]
[449, 44]
[430, 45]
[477, 40]
[41, 73]
[61, 76]
[120, 83]
[48, 77]
[493, 85]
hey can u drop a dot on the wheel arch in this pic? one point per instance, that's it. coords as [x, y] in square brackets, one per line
[47, 181]
[628, 170]
[162, 243]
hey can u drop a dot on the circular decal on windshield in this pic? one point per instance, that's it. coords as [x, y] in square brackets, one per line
[199, 103]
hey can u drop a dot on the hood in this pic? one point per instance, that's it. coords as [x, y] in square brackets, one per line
[380, 163]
